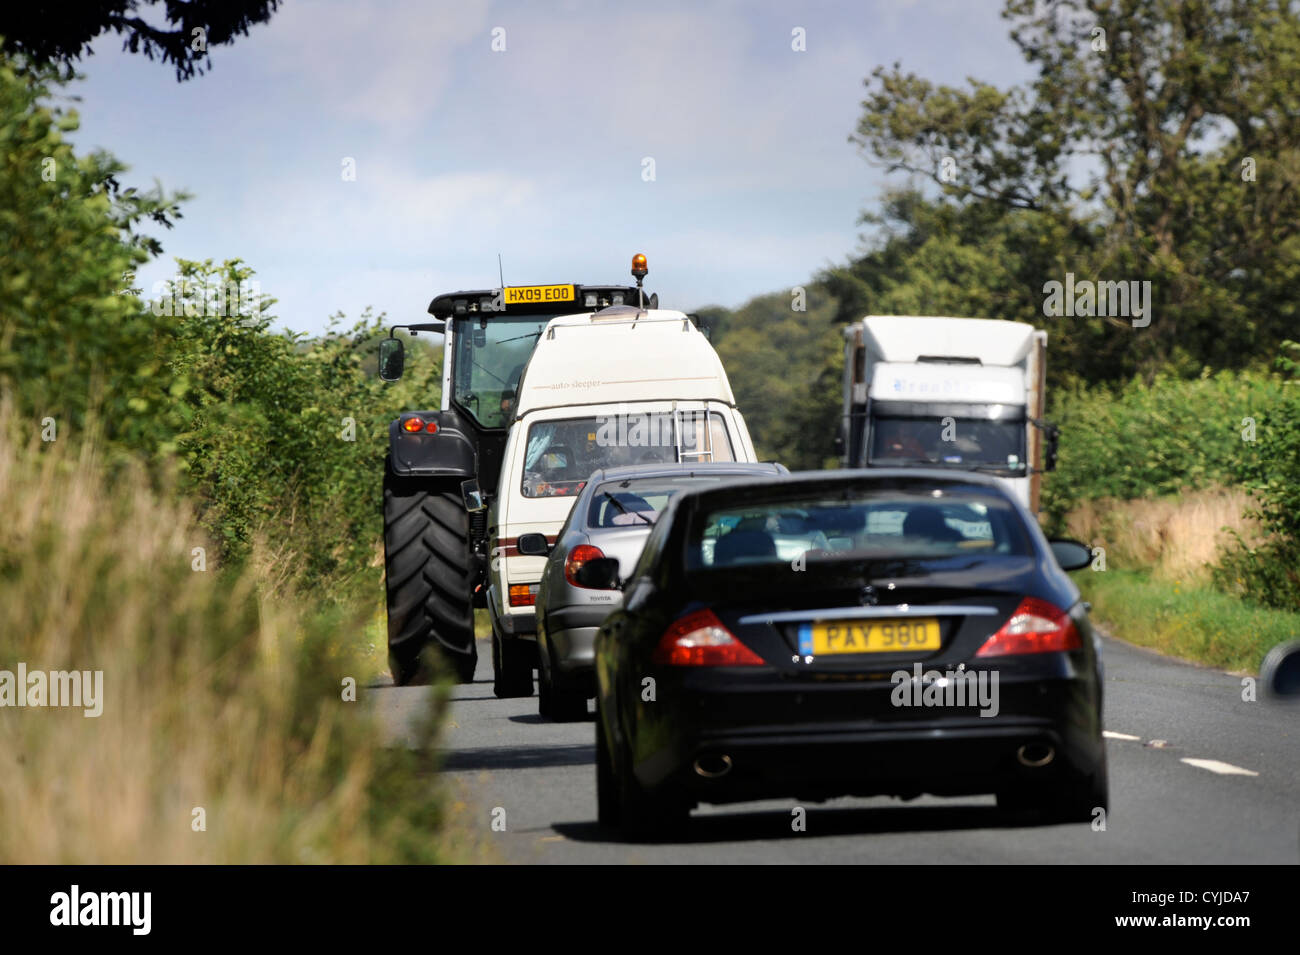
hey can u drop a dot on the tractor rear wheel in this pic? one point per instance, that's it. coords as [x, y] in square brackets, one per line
[428, 564]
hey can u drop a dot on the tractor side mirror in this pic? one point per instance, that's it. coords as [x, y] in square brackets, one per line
[472, 495]
[392, 359]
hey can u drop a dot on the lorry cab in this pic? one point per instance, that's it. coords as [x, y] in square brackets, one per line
[623, 385]
[962, 393]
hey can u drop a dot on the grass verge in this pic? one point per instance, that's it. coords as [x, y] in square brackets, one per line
[232, 723]
[1192, 621]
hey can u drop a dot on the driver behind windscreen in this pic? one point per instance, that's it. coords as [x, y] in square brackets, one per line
[509, 394]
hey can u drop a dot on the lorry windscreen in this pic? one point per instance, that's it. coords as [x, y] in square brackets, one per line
[489, 357]
[947, 442]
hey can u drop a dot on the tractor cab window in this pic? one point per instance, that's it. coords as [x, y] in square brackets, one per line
[489, 360]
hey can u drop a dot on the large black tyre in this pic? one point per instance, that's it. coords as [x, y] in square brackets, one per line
[646, 816]
[1075, 800]
[512, 670]
[556, 699]
[1080, 802]
[428, 569]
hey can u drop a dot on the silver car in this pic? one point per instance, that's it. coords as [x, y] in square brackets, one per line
[611, 517]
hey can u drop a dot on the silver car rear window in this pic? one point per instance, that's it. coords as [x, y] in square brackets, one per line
[640, 500]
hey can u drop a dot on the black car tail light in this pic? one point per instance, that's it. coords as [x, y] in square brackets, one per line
[699, 639]
[1036, 626]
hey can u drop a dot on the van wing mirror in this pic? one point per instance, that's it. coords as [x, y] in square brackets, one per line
[532, 545]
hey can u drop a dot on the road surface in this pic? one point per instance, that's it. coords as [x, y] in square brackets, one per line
[1197, 775]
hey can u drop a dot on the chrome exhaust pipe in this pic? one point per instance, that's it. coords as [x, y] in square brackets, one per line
[1035, 755]
[713, 767]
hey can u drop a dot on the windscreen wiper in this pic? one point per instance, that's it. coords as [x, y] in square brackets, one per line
[993, 468]
[623, 510]
[519, 338]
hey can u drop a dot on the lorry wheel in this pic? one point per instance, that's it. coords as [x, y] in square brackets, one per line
[428, 564]
[512, 671]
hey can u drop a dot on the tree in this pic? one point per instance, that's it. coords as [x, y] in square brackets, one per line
[73, 335]
[784, 366]
[58, 34]
[1160, 140]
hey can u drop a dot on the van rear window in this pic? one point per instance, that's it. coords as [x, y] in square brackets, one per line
[560, 455]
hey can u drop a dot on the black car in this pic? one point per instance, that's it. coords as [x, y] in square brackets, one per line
[887, 632]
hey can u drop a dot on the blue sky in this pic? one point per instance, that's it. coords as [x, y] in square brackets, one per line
[535, 152]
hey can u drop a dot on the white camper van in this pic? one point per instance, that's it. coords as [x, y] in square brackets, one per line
[964, 393]
[619, 386]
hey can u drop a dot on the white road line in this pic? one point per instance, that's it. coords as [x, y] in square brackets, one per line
[1223, 769]
[1109, 735]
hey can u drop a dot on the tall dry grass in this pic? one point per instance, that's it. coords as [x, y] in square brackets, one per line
[220, 694]
[1175, 538]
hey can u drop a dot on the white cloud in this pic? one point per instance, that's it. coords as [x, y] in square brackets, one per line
[386, 64]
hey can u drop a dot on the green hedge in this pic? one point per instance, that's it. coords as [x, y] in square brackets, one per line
[1150, 439]
[1269, 573]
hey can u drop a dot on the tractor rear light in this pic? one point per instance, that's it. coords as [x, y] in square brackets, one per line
[1036, 626]
[577, 557]
[699, 639]
[412, 425]
[523, 595]
[431, 427]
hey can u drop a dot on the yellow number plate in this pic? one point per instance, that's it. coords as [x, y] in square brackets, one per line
[538, 294]
[869, 636]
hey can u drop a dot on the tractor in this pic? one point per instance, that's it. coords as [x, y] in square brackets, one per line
[443, 466]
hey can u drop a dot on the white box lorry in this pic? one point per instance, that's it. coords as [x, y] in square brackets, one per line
[965, 393]
[619, 386]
